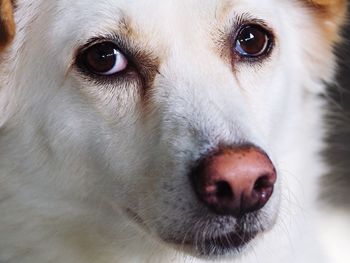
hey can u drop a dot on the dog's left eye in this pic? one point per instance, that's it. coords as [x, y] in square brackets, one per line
[252, 41]
[104, 59]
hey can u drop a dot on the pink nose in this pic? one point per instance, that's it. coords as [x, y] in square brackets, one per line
[235, 181]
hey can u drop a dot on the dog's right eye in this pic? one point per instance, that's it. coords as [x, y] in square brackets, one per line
[103, 59]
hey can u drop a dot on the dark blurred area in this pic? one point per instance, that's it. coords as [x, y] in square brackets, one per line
[337, 184]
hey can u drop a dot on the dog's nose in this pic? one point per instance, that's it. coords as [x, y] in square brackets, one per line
[235, 181]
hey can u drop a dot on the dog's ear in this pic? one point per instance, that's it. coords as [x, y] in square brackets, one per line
[331, 14]
[7, 23]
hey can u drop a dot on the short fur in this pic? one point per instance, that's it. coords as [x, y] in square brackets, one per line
[97, 170]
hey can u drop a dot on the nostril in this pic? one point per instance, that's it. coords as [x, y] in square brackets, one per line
[262, 191]
[224, 190]
[262, 183]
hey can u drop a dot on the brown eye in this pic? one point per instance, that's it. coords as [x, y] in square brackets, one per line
[252, 41]
[104, 59]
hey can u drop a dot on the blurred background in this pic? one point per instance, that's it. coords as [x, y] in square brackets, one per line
[337, 183]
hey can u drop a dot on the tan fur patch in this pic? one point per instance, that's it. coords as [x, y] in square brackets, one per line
[7, 24]
[331, 15]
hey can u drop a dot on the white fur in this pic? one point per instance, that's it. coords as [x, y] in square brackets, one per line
[74, 155]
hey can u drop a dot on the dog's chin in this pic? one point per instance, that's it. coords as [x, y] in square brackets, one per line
[225, 245]
[218, 242]
[215, 241]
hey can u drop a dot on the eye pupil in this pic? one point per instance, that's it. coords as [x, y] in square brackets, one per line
[252, 41]
[101, 58]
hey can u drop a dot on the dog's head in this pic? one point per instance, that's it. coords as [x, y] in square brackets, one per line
[186, 116]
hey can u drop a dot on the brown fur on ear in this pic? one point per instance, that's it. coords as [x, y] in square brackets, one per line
[7, 23]
[331, 14]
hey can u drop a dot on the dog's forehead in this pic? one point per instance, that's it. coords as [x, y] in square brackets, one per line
[148, 11]
[192, 25]
[161, 17]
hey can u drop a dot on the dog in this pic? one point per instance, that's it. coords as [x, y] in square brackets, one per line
[163, 131]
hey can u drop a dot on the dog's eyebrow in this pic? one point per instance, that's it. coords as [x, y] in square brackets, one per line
[223, 9]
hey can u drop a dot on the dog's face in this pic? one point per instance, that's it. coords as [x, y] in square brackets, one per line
[134, 96]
